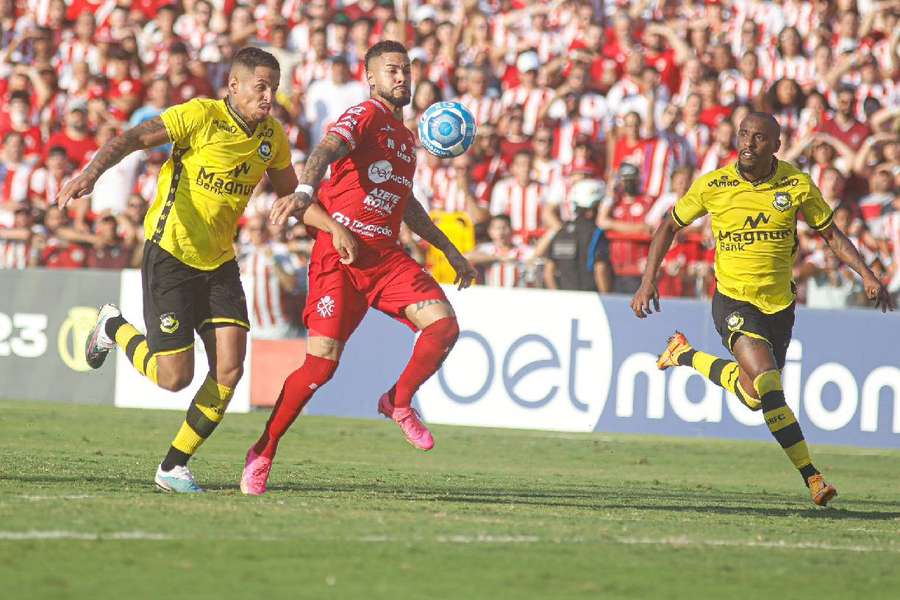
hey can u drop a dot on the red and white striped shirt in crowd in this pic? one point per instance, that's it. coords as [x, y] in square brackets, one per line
[523, 204]
[886, 92]
[15, 254]
[658, 164]
[310, 71]
[14, 182]
[43, 186]
[73, 51]
[892, 232]
[789, 119]
[268, 300]
[742, 89]
[622, 89]
[800, 14]
[485, 109]
[799, 68]
[531, 100]
[146, 184]
[567, 132]
[698, 137]
[508, 272]
[882, 50]
[547, 44]
[716, 158]
[443, 190]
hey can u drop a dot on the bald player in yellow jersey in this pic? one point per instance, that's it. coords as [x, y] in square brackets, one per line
[754, 205]
[221, 150]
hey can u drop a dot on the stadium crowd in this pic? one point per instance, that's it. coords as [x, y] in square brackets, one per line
[642, 96]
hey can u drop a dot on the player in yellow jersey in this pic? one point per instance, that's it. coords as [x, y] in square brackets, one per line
[754, 205]
[221, 150]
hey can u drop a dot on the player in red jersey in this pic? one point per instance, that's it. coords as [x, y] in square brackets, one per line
[372, 157]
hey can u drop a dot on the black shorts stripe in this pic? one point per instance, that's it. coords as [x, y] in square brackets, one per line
[199, 422]
[790, 435]
[177, 153]
[147, 358]
[131, 348]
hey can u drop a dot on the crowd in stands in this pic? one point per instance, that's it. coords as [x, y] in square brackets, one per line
[641, 95]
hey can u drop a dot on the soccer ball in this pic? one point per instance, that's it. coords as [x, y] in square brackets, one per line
[447, 129]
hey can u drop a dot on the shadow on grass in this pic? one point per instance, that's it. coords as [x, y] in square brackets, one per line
[597, 498]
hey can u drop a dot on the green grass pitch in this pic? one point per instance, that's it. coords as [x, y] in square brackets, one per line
[354, 512]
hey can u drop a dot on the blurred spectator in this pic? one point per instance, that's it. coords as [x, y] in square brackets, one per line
[45, 182]
[112, 250]
[578, 252]
[623, 218]
[14, 175]
[521, 198]
[278, 282]
[20, 243]
[75, 136]
[502, 262]
[328, 98]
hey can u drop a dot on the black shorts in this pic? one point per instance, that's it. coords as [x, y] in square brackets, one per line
[179, 299]
[734, 318]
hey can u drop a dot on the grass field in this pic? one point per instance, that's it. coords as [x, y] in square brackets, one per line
[354, 512]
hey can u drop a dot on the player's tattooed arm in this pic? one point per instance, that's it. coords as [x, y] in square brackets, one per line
[330, 149]
[844, 249]
[146, 135]
[421, 224]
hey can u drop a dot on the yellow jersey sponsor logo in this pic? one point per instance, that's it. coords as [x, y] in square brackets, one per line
[782, 201]
[73, 335]
[168, 323]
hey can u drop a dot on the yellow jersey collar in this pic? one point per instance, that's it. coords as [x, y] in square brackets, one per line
[770, 177]
[237, 118]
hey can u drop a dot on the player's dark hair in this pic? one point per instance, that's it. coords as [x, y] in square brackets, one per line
[251, 57]
[772, 122]
[384, 47]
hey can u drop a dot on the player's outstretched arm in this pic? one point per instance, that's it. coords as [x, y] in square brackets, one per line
[421, 224]
[148, 134]
[330, 149]
[647, 293]
[844, 249]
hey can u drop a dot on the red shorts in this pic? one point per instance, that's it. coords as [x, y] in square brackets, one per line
[385, 278]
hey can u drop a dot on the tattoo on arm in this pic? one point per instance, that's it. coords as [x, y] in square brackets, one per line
[420, 305]
[421, 224]
[146, 135]
[330, 149]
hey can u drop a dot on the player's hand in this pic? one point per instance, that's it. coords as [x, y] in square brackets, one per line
[465, 272]
[345, 243]
[640, 304]
[876, 291]
[76, 187]
[285, 206]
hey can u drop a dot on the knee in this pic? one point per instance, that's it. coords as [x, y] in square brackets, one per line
[766, 381]
[229, 375]
[316, 370]
[175, 381]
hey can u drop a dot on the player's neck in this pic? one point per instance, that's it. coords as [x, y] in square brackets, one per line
[761, 173]
[397, 111]
[250, 124]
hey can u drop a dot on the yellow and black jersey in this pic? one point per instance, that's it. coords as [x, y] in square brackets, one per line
[203, 188]
[755, 228]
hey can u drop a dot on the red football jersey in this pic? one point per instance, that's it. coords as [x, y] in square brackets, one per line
[369, 188]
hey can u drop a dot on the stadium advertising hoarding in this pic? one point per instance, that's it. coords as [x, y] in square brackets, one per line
[133, 390]
[45, 318]
[571, 361]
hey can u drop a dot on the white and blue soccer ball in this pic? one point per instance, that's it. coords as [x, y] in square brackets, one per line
[447, 129]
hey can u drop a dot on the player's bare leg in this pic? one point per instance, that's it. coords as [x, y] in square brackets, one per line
[439, 330]
[322, 357]
[226, 347]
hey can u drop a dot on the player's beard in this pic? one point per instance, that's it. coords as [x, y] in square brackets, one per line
[399, 97]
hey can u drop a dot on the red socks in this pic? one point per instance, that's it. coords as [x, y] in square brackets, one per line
[431, 349]
[297, 390]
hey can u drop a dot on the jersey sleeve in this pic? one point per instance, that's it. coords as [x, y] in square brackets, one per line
[690, 207]
[183, 121]
[282, 155]
[815, 210]
[353, 124]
